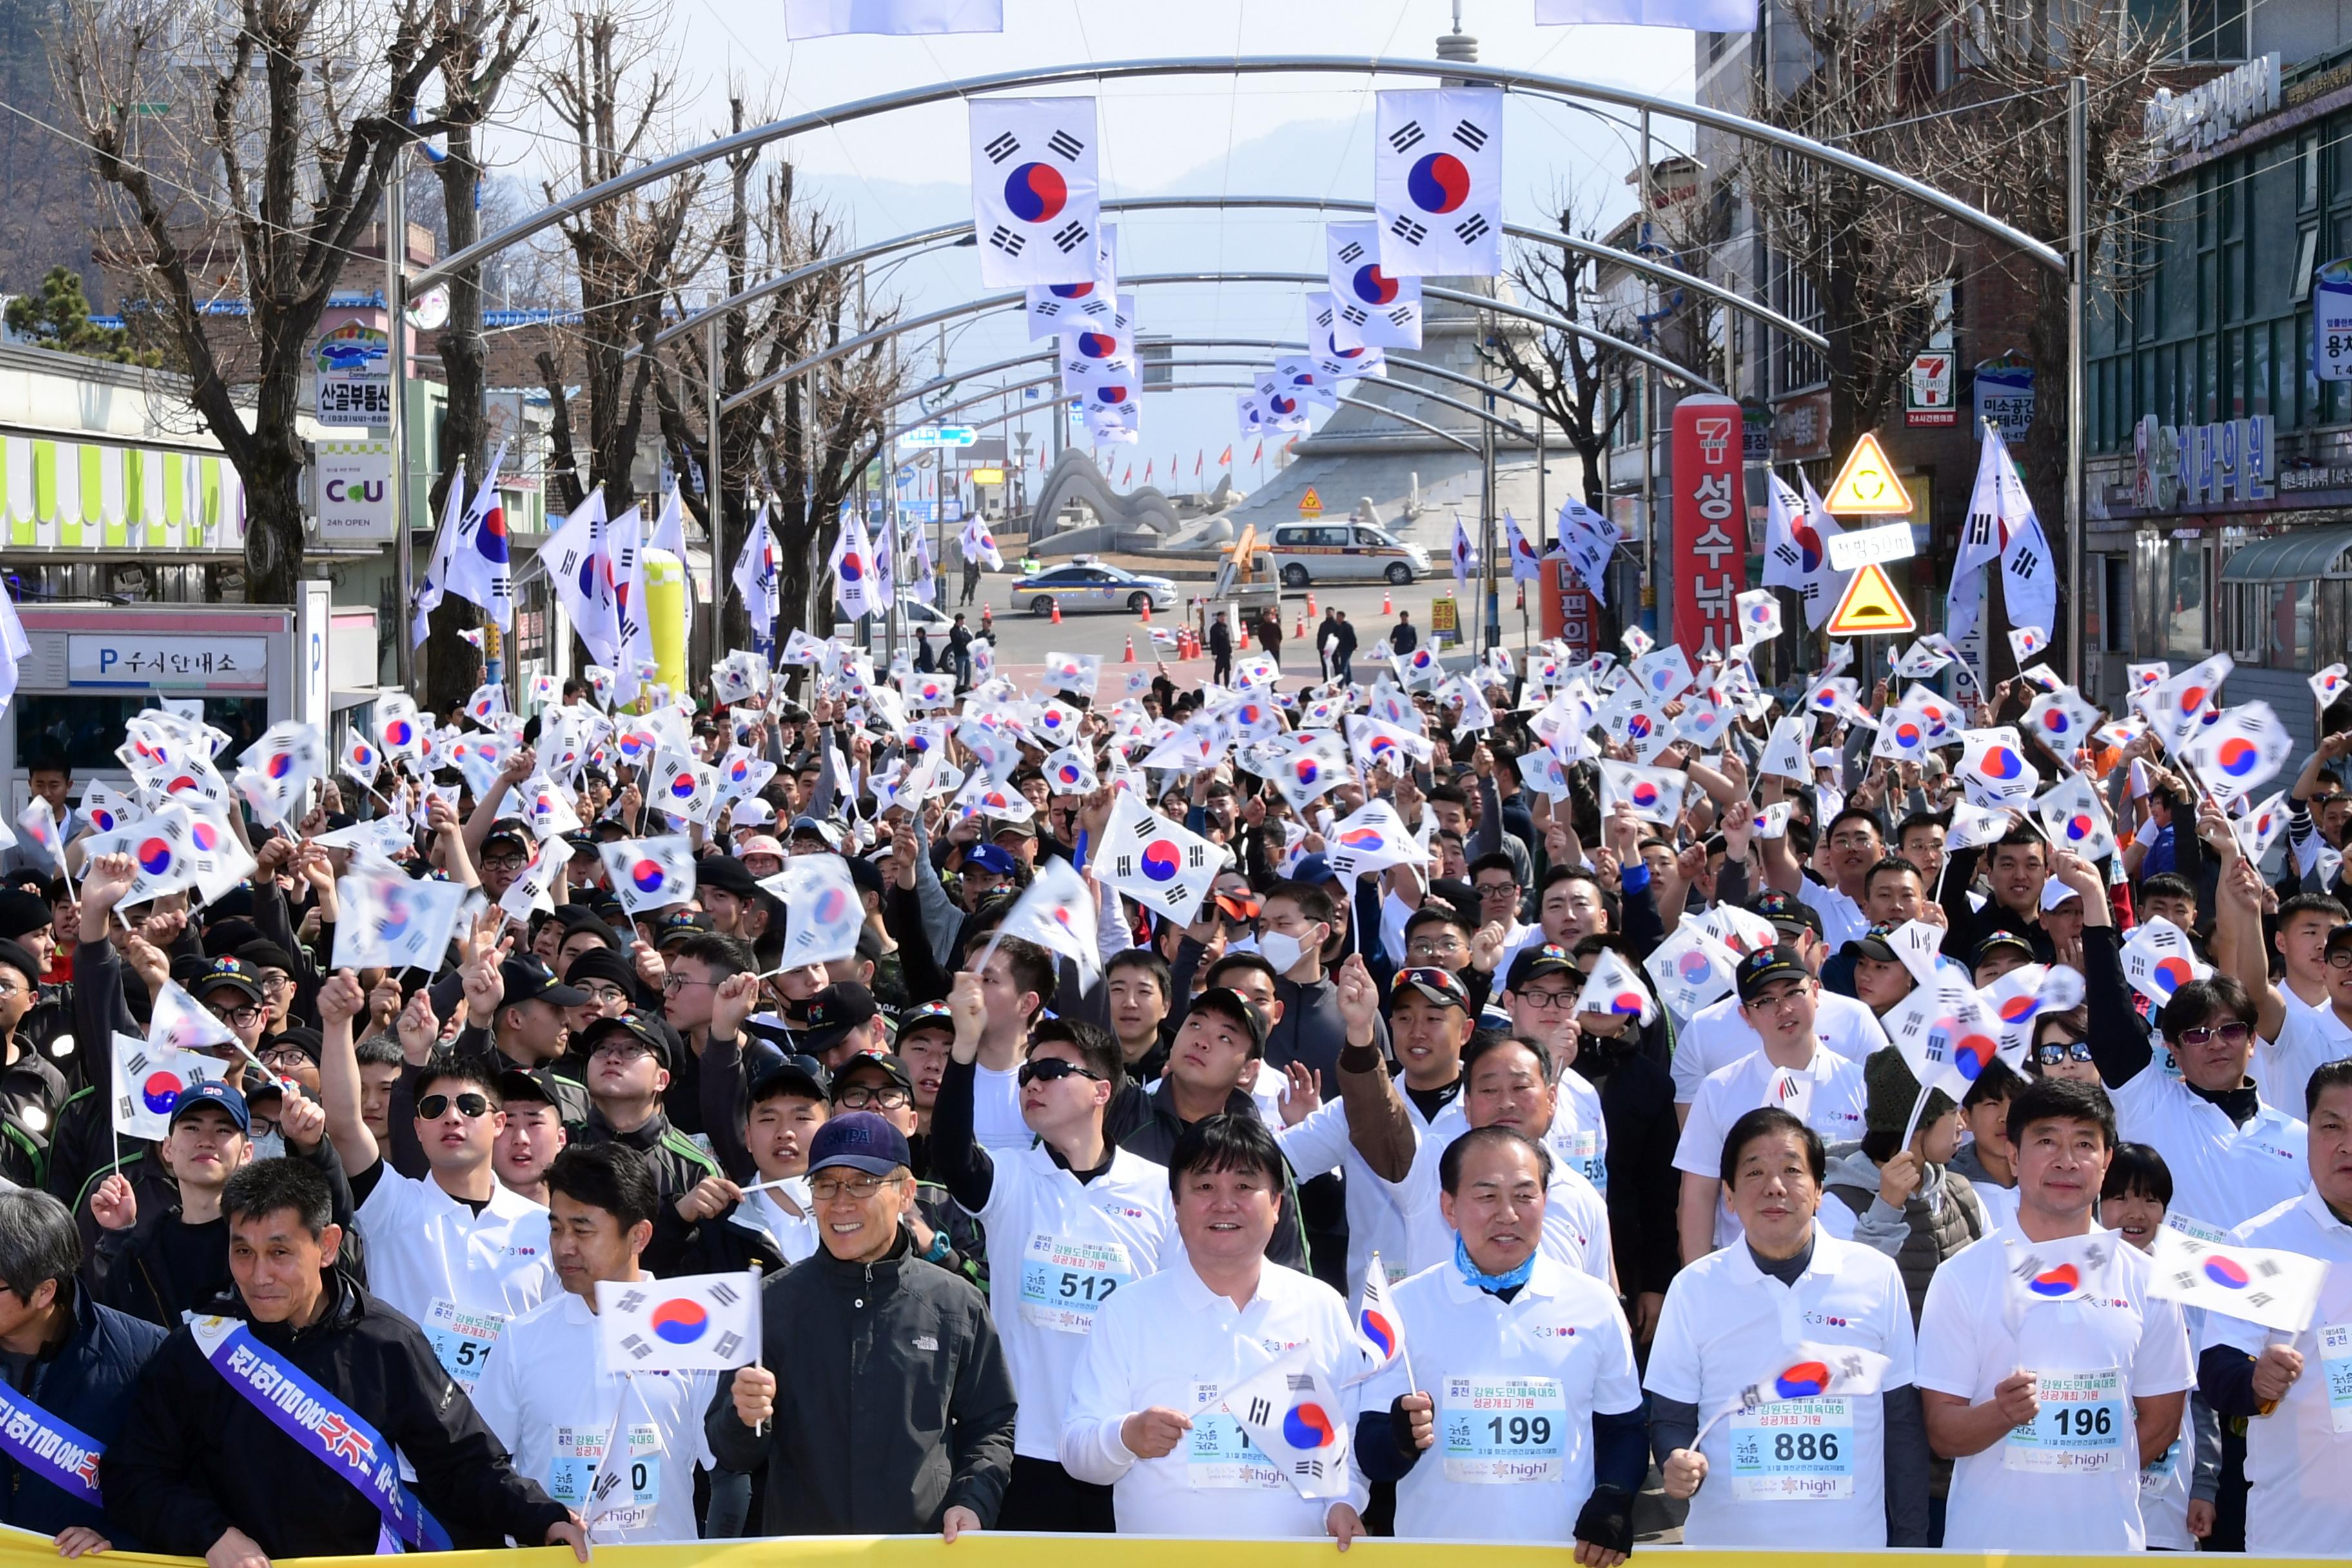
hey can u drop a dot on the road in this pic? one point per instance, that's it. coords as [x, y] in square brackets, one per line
[1022, 639]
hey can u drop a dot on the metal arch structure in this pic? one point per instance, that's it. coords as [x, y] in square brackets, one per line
[959, 236]
[1679, 373]
[1532, 83]
[1436, 430]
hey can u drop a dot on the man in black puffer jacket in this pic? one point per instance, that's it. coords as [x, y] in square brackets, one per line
[200, 1471]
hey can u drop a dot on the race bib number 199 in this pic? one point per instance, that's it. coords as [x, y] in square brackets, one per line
[1501, 1430]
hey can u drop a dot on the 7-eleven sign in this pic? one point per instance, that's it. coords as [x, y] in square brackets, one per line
[1927, 391]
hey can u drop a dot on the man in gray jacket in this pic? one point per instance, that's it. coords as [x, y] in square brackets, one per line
[882, 1405]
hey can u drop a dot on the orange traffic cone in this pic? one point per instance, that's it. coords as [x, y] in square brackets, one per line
[1386, 608]
[1130, 650]
[1245, 626]
[1058, 612]
[1147, 612]
[1310, 604]
[1301, 633]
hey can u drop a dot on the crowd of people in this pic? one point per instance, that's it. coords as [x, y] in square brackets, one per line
[1548, 1079]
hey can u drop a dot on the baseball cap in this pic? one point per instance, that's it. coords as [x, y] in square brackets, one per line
[1241, 905]
[212, 1091]
[760, 844]
[861, 1140]
[930, 1015]
[1022, 828]
[1995, 942]
[1765, 966]
[1313, 869]
[888, 1066]
[2055, 892]
[631, 1023]
[679, 924]
[989, 858]
[801, 1076]
[227, 974]
[1438, 984]
[1790, 915]
[1545, 958]
[508, 828]
[827, 1018]
[526, 979]
[1873, 944]
[824, 831]
[1226, 1002]
[752, 813]
[726, 874]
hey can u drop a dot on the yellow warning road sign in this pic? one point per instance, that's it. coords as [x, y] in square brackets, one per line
[1311, 504]
[1867, 486]
[1871, 607]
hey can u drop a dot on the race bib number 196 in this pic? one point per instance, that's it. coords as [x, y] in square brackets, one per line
[2079, 1429]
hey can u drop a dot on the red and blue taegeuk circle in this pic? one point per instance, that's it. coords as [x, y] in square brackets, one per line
[155, 857]
[1805, 1380]
[160, 1092]
[1309, 1426]
[681, 1319]
[2227, 1272]
[1372, 286]
[1439, 183]
[1160, 860]
[1036, 193]
[1378, 1330]
[648, 877]
[2063, 1280]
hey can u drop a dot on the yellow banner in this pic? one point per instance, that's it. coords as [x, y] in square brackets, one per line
[990, 1549]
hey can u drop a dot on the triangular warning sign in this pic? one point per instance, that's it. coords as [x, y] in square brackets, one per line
[1867, 486]
[1871, 607]
[1312, 502]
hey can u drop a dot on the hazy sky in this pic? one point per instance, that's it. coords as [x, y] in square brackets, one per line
[1262, 135]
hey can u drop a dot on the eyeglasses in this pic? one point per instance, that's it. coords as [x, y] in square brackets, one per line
[1540, 1000]
[505, 863]
[10, 993]
[888, 1097]
[622, 1046]
[237, 1017]
[858, 1187]
[434, 1106]
[2057, 1051]
[604, 995]
[674, 984]
[2340, 959]
[1853, 840]
[284, 1056]
[1496, 889]
[1052, 1069]
[2231, 1035]
[277, 983]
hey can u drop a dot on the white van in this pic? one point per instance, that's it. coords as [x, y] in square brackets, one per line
[1343, 552]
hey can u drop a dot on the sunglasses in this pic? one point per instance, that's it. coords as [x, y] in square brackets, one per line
[1052, 1069]
[2057, 1051]
[434, 1106]
[2231, 1034]
[1438, 979]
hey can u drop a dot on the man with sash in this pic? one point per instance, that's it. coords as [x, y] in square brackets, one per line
[69, 1364]
[276, 1428]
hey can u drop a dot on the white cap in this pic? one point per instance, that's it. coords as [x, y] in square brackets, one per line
[2055, 892]
[750, 812]
[1825, 756]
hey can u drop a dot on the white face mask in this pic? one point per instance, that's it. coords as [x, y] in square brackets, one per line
[1280, 950]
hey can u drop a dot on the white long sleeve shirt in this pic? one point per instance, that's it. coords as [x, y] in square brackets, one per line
[1171, 1340]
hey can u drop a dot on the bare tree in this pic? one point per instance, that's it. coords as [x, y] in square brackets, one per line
[262, 194]
[474, 71]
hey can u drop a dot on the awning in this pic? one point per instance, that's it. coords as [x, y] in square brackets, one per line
[85, 495]
[2298, 555]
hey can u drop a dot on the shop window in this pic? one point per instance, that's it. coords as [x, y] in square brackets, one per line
[2182, 618]
[87, 726]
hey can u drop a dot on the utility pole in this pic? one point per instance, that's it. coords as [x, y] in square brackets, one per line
[395, 301]
[714, 490]
[2078, 266]
[1649, 409]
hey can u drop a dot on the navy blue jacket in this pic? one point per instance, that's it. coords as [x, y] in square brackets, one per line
[87, 1384]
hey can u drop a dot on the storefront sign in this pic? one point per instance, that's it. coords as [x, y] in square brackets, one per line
[354, 376]
[2331, 322]
[165, 663]
[1570, 614]
[1927, 391]
[2212, 111]
[2177, 466]
[354, 501]
[1710, 549]
[2004, 395]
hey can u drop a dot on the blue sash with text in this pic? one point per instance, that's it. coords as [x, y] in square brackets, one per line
[60, 1455]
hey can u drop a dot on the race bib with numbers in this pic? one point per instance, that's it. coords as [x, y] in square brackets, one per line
[1502, 1431]
[1582, 1151]
[1793, 1450]
[1064, 1281]
[630, 1490]
[2335, 1362]
[1219, 1456]
[462, 1340]
[2079, 1429]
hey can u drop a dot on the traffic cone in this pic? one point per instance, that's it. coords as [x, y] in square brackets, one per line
[1245, 634]
[1147, 612]
[1386, 608]
[1058, 612]
[1300, 634]
[1310, 604]
[1130, 650]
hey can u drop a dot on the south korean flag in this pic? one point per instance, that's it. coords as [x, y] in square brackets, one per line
[1035, 204]
[1279, 409]
[1057, 308]
[1088, 351]
[1298, 373]
[1335, 363]
[1437, 182]
[1373, 308]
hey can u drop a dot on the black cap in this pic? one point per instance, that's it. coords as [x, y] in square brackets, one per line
[801, 1076]
[513, 827]
[826, 1018]
[302, 1036]
[21, 912]
[679, 924]
[263, 953]
[1789, 914]
[636, 1027]
[726, 874]
[889, 1066]
[1765, 966]
[1226, 1002]
[526, 979]
[930, 1015]
[517, 1086]
[1540, 959]
[1873, 944]
[14, 956]
[1997, 941]
[1438, 984]
[601, 963]
[227, 974]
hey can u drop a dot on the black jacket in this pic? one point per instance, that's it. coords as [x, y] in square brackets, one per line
[892, 1401]
[196, 1458]
[676, 1163]
[85, 1383]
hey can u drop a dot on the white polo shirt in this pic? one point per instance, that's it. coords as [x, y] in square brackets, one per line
[1835, 1111]
[1726, 1322]
[1062, 1250]
[1171, 1340]
[1720, 1034]
[2050, 1488]
[1578, 1134]
[1842, 918]
[457, 1274]
[1375, 1211]
[2222, 1174]
[1576, 1217]
[2309, 1039]
[549, 1397]
[2299, 1457]
[1515, 1384]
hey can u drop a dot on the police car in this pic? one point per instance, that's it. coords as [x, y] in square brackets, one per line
[1085, 583]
